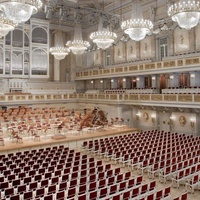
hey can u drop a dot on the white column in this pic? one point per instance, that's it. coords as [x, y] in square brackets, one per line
[56, 70]
[58, 42]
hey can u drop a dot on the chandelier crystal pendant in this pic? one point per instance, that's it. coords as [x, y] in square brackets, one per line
[186, 13]
[78, 46]
[137, 28]
[5, 26]
[59, 53]
[20, 11]
[103, 37]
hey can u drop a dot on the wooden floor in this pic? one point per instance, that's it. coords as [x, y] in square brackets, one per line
[29, 143]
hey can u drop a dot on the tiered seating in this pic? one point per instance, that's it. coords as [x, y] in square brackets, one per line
[60, 173]
[156, 152]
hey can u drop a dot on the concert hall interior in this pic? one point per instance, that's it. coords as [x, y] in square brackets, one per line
[99, 99]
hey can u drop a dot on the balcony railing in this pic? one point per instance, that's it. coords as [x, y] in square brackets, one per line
[193, 100]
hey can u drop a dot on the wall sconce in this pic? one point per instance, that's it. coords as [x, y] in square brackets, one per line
[92, 82]
[192, 123]
[111, 80]
[124, 80]
[153, 118]
[137, 79]
[153, 78]
[101, 81]
[171, 77]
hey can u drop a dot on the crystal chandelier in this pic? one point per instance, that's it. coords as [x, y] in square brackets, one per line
[186, 13]
[103, 37]
[137, 28]
[78, 45]
[59, 53]
[5, 25]
[20, 11]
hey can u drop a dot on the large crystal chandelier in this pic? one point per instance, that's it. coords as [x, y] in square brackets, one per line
[59, 51]
[20, 11]
[5, 25]
[78, 45]
[137, 28]
[186, 13]
[103, 37]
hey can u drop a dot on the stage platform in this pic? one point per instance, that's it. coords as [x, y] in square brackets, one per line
[48, 140]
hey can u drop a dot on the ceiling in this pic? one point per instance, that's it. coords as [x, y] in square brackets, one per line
[66, 13]
[86, 12]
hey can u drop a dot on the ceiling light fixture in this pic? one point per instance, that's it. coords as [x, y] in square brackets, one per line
[78, 46]
[103, 37]
[186, 13]
[59, 53]
[5, 26]
[20, 11]
[137, 28]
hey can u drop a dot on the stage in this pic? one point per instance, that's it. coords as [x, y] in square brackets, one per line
[68, 138]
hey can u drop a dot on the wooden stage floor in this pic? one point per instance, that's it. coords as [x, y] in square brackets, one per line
[77, 138]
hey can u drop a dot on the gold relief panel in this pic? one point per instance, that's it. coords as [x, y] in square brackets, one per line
[30, 97]
[17, 97]
[57, 96]
[23, 97]
[106, 71]
[185, 97]
[126, 97]
[144, 97]
[100, 71]
[81, 73]
[133, 97]
[141, 67]
[81, 96]
[101, 96]
[113, 97]
[112, 70]
[2, 98]
[95, 72]
[85, 73]
[197, 98]
[159, 65]
[119, 69]
[169, 97]
[72, 96]
[169, 64]
[90, 96]
[48, 96]
[180, 62]
[77, 74]
[145, 116]
[182, 120]
[90, 72]
[65, 96]
[125, 69]
[10, 98]
[156, 97]
[150, 66]
[107, 96]
[192, 61]
[133, 68]
[37, 97]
